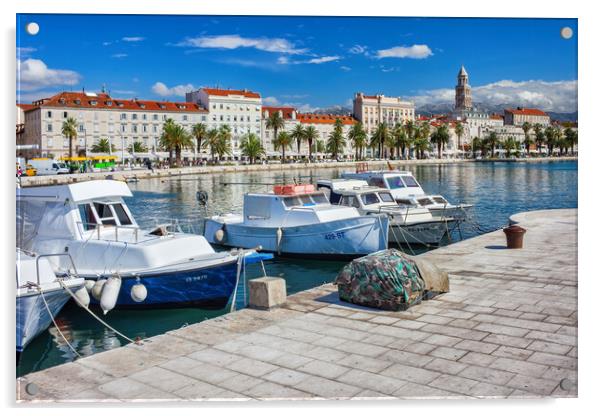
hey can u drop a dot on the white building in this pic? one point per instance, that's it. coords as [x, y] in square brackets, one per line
[519, 115]
[371, 110]
[239, 109]
[100, 116]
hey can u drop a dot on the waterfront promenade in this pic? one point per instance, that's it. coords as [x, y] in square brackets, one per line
[508, 328]
[166, 173]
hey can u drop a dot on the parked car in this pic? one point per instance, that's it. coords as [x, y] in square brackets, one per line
[49, 167]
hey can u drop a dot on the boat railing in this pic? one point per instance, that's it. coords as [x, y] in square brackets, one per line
[177, 225]
[97, 228]
[54, 255]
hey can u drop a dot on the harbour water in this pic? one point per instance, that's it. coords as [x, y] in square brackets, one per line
[497, 190]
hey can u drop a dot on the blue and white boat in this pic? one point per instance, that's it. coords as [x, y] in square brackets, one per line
[302, 224]
[40, 296]
[129, 267]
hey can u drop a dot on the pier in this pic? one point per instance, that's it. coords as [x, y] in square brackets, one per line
[507, 328]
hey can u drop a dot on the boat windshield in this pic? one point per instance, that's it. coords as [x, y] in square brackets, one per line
[440, 200]
[386, 197]
[410, 182]
[305, 200]
[395, 182]
[370, 198]
[425, 201]
[110, 213]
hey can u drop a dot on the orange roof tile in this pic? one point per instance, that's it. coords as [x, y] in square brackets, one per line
[526, 111]
[324, 118]
[225, 93]
[26, 107]
[286, 111]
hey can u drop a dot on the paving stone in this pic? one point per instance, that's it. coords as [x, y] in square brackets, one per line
[512, 352]
[327, 389]
[129, 389]
[409, 324]
[435, 319]
[445, 366]
[420, 391]
[507, 340]
[553, 360]
[520, 367]
[272, 391]
[408, 358]
[476, 346]
[419, 348]
[285, 376]
[361, 348]
[454, 383]
[463, 323]
[329, 341]
[323, 369]
[376, 382]
[397, 332]
[448, 353]
[491, 391]
[168, 346]
[206, 372]
[501, 329]
[384, 320]
[240, 383]
[359, 362]
[121, 362]
[251, 367]
[487, 375]
[163, 379]
[442, 340]
[538, 386]
[288, 360]
[475, 334]
[325, 354]
[556, 338]
[372, 395]
[410, 373]
[214, 356]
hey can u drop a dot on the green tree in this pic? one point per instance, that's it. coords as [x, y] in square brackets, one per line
[358, 139]
[510, 145]
[492, 140]
[475, 145]
[283, 141]
[540, 137]
[440, 137]
[336, 139]
[69, 130]
[459, 130]
[251, 147]
[175, 138]
[298, 134]
[137, 147]
[571, 137]
[379, 138]
[275, 122]
[319, 146]
[551, 139]
[423, 132]
[311, 134]
[199, 131]
[211, 141]
[224, 141]
[527, 142]
[103, 146]
[421, 145]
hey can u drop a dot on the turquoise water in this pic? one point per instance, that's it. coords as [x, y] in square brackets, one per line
[498, 190]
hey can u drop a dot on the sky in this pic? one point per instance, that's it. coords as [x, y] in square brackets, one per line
[306, 62]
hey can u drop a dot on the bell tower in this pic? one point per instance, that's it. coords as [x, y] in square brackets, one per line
[463, 96]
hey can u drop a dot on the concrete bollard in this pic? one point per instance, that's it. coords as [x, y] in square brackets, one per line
[267, 292]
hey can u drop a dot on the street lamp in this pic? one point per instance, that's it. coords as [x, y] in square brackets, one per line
[122, 151]
[85, 144]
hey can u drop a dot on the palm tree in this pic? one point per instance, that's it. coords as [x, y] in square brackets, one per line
[319, 146]
[411, 134]
[282, 141]
[311, 134]
[199, 131]
[527, 142]
[103, 146]
[423, 132]
[379, 138]
[211, 141]
[224, 141]
[510, 145]
[137, 147]
[459, 130]
[476, 145]
[357, 138]
[492, 140]
[298, 134]
[551, 138]
[275, 122]
[251, 147]
[421, 145]
[336, 139]
[175, 138]
[69, 130]
[440, 137]
[539, 136]
[571, 137]
[403, 141]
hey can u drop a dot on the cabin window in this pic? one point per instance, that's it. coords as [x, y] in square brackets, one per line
[122, 216]
[395, 182]
[378, 182]
[386, 197]
[319, 198]
[291, 201]
[369, 199]
[425, 201]
[87, 216]
[410, 182]
[306, 200]
[350, 201]
[105, 214]
[405, 202]
[440, 200]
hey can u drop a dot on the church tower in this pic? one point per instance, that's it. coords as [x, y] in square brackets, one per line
[463, 97]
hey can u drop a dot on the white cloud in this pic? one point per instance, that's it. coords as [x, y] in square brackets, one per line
[132, 39]
[323, 59]
[345, 68]
[34, 74]
[163, 90]
[413, 52]
[270, 101]
[107, 43]
[123, 92]
[25, 51]
[558, 96]
[358, 49]
[278, 45]
[119, 55]
[284, 60]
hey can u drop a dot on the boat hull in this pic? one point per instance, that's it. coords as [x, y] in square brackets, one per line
[33, 317]
[209, 287]
[352, 237]
[457, 212]
[428, 232]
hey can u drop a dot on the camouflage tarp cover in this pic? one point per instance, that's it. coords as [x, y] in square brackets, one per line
[384, 280]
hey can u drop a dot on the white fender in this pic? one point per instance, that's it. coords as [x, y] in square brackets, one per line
[89, 284]
[278, 238]
[219, 235]
[97, 288]
[110, 291]
[138, 292]
[82, 296]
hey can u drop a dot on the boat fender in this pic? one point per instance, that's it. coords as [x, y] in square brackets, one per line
[89, 284]
[221, 234]
[138, 292]
[97, 288]
[82, 296]
[278, 238]
[110, 291]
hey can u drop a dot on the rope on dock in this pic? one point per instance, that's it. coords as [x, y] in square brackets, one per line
[54, 321]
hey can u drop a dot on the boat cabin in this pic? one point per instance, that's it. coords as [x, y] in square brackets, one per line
[402, 184]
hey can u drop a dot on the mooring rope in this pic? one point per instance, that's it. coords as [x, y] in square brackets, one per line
[54, 321]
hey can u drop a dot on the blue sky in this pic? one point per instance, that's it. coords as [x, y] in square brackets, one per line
[309, 62]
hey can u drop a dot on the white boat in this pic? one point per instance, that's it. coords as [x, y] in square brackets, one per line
[407, 224]
[40, 295]
[407, 192]
[299, 221]
[143, 268]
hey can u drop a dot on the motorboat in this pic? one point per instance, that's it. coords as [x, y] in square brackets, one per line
[407, 192]
[407, 224]
[40, 295]
[297, 220]
[127, 266]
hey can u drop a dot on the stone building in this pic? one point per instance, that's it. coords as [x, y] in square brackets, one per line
[519, 115]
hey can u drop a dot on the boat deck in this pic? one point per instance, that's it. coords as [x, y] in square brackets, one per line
[508, 328]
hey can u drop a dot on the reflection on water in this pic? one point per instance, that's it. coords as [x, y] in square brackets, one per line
[496, 189]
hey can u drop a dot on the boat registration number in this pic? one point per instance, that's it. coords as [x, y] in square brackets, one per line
[334, 236]
[196, 278]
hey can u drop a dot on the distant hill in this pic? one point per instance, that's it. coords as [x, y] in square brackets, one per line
[444, 108]
[338, 110]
